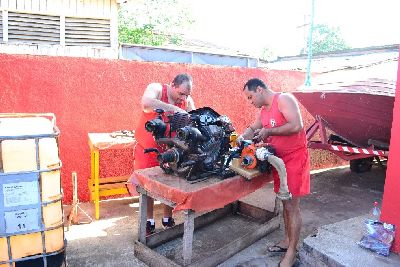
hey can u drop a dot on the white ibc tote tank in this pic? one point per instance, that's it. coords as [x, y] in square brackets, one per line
[32, 227]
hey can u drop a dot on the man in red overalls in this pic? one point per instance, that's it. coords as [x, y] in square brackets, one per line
[171, 98]
[279, 123]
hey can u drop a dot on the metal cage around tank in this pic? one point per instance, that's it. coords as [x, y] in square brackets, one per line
[31, 224]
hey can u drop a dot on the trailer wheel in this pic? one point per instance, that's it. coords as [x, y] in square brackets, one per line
[361, 165]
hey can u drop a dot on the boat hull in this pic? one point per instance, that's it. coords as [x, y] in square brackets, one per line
[356, 117]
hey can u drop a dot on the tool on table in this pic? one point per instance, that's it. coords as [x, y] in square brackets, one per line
[123, 133]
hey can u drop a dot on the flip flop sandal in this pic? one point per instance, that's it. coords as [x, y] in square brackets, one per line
[276, 248]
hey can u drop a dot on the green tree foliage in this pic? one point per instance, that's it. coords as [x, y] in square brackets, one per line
[327, 39]
[153, 22]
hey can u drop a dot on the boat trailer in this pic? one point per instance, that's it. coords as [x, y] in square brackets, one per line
[360, 158]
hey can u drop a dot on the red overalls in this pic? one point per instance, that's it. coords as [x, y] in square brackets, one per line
[292, 149]
[145, 139]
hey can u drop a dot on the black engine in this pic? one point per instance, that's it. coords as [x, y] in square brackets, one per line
[194, 145]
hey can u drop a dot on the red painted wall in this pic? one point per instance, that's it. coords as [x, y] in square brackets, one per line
[391, 196]
[95, 95]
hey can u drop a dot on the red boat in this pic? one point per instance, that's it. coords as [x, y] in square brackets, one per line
[357, 106]
[356, 111]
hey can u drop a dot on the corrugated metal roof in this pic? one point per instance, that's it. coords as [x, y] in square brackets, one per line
[349, 59]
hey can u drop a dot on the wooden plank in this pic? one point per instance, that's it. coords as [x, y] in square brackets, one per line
[200, 221]
[188, 237]
[88, 27]
[151, 258]
[97, 6]
[87, 8]
[86, 32]
[213, 258]
[34, 35]
[87, 20]
[86, 41]
[27, 42]
[62, 30]
[14, 37]
[72, 6]
[114, 25]
[4, 4]
[35, 5]
[31, 15]
[43, 5]
[12, 4]
[80, 11]
[112, 186]
[28, 5]
[142, 218]
[88, 37]
[1, 40]
[22, 16]
[115, 179]
[38, 26]
[20, 4]
[15, 21]
[54, 6]
[257, 213]
[33, 29]
[161, 199]
[86, 45]
[1, 158]
[113, 192]
[107, 8]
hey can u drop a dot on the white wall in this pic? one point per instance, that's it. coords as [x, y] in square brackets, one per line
[85, 9]
[79, 8]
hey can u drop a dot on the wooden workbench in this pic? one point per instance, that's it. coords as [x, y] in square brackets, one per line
[213, 198]
[105, 186]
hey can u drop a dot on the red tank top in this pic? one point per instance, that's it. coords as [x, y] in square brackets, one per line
[143, 137]
[284, 144]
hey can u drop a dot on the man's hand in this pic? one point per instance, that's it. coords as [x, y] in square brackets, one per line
[239, 140]
[177, 109]
[261, 134]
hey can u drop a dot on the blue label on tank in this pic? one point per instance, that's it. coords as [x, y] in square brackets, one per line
[21, 193]
[21, 220]
[20, 204]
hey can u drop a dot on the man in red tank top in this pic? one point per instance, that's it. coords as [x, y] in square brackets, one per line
[171, 98]
[279, 123]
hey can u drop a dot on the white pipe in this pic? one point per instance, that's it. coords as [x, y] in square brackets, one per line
[263, 154]
[279, 165]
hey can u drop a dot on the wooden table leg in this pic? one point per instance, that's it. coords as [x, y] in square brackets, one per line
[96, 163]
[188, 236]
[142, 218]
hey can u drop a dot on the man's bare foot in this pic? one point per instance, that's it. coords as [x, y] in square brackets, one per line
[289, 259]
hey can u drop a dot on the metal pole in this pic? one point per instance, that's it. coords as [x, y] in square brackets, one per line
[308, 77]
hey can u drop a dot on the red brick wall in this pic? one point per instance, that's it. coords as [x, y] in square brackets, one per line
[95, 95]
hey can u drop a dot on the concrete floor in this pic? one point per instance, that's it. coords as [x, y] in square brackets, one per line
[336, 195]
